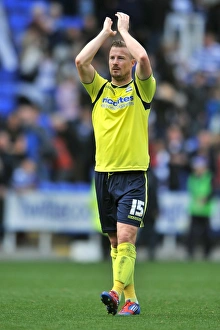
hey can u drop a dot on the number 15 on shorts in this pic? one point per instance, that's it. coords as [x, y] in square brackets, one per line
[137, 208]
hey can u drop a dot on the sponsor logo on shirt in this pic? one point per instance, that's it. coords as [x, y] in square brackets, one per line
[121, 102]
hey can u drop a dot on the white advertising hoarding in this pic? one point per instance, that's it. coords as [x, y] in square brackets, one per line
[71, 212]
[48, 211]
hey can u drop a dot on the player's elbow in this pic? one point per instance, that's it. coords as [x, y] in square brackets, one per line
[78, 61]
[81, 61]
[143, 58]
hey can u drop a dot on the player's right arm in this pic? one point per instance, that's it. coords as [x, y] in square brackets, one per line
[143, 67]
[84, 58]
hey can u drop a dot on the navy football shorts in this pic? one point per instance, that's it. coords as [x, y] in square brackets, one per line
[121, 197]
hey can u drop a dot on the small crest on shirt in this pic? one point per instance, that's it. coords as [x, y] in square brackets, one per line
[129, 89]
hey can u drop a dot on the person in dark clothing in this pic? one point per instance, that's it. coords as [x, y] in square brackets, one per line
[6, 167]
[148, 236]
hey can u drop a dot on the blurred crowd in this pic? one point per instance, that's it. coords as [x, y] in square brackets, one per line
[48, 136]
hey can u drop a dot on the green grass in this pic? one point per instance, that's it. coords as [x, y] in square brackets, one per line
[65, 295]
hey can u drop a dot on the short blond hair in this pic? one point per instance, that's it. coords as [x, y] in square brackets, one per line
[120, 44]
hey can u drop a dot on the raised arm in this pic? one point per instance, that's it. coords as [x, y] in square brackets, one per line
[84, 58]
[143, 67]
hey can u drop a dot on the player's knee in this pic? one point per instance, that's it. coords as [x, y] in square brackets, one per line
[127, 234]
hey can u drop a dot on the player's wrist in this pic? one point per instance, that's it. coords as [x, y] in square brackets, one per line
[106, 33]
[123, 31]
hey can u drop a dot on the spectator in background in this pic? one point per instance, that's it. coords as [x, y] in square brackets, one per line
[18, 146]
[24, 177]
[212, 20]
[67, 95]
[84, 148]
[183, 28]
[206, 59]
[32, 49]
[200, 189]
[63, 164]
[13, 125]
[85, 7]
[169, 105]
[102, 7]
[147, 236]
[46, 81]
[37, 136]
[205, 148]
[213, 110]
[161, 168]
[55, 31]
[197, 94]
[208, 147]
[154, 14]
[8, 56]
[69, 7]
[38, 65]
[217, 172]
[32, 46]
[6, 168]
[178, 163]
[74, 144]
[90, 28]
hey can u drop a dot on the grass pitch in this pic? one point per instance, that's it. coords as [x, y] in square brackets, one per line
[66, 295]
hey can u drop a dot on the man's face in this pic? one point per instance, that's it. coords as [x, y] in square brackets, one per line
[120, 64]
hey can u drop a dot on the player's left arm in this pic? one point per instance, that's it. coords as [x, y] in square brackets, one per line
[143, 66]
[146, 88]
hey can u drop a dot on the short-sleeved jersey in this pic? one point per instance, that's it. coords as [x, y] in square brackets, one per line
[120, 121]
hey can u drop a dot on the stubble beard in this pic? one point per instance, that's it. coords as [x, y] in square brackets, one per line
[119, 77]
